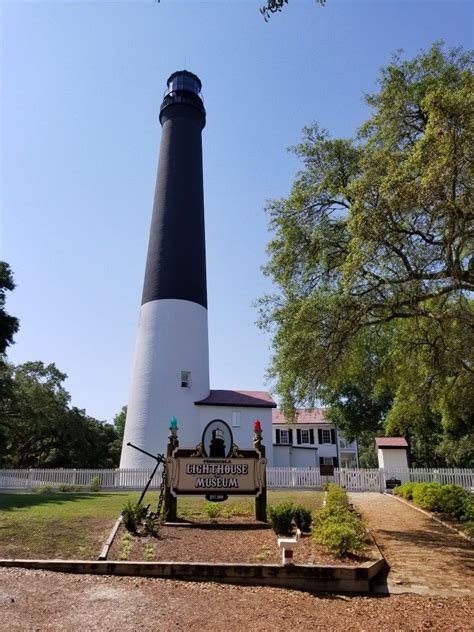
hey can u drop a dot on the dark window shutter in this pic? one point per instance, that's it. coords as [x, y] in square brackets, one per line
[298, 436]
[320, 436]
[333, 435]
[321, 460]
[334, 461]
[277, 436]
[290, 437]
[311, 436]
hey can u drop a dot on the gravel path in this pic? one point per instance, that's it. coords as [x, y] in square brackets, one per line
[424, 556]
[41, 600]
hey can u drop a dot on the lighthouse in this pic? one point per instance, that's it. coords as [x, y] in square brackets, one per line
[171, 362]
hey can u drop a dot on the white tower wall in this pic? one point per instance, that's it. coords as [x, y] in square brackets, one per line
[172, 337]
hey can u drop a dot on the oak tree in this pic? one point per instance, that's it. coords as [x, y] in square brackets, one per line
[375, 243]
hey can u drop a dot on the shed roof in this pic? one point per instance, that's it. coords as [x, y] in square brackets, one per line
[391, 442]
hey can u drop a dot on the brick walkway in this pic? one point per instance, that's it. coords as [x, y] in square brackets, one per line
[424, 556]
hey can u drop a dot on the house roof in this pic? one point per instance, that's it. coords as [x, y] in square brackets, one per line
[391, 442]
[303, 416]
[250, 399]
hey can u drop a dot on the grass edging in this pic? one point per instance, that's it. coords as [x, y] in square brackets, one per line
[344, 579]
[431, 515]
[108, 543]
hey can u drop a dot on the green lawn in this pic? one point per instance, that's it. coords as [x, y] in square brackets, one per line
[75, 525]
[59, 524]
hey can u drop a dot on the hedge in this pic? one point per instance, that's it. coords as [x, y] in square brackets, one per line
[336, 526]
[451, 500]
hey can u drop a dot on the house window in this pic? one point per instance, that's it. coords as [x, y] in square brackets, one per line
[328, 460]
[326, 436]
[236, 419]
[284, 436]
[185, 379]
[305, 436]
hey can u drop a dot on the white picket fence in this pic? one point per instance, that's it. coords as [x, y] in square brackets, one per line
[277, 478]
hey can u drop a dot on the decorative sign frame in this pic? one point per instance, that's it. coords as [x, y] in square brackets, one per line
[216, 466]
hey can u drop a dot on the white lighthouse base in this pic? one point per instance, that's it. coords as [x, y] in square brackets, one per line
[172, 337]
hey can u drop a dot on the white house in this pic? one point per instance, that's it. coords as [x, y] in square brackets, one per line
[311, 441]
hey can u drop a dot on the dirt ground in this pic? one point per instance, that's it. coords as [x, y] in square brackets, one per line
[220, 543]
[41, 600]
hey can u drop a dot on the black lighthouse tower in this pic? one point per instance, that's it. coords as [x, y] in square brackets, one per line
[171, 363]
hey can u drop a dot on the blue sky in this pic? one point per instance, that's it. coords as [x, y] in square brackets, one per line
[81, 87]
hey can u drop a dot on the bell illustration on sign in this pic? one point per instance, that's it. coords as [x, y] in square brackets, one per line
[217, 439]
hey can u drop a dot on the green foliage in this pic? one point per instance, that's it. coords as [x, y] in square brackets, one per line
[405, 490]
[212, 510]
[132, 516]
[149, 552]
[456, 502]
[152, 527]
[119, 422]
[8, 324]
[39, 428]
[43, 489]
[371, 255]
[427, 496]
[451, 500]
[469, 528]
[303, 518]
[275, 6]
[336, 496]
[281, 518]
[69, 488]
[126, 543]
[95, 484]
[336, 526]
[340, 538]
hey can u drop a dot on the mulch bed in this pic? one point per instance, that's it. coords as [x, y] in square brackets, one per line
[226, 542]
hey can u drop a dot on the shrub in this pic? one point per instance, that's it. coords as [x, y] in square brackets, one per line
[469, 528]
[336, 496]
[281, 518]
[303, 518]
[95, 484]
[340, 538]
[69, 488]
[149, 552]
[152, 527]
[336, 526]
[125, 546]
[132, 515]
[454, 501]
[43, 489]
[212, 510]
[405, 490]
[427, 496]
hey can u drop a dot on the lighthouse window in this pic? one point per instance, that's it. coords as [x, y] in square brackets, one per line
[185, 379]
